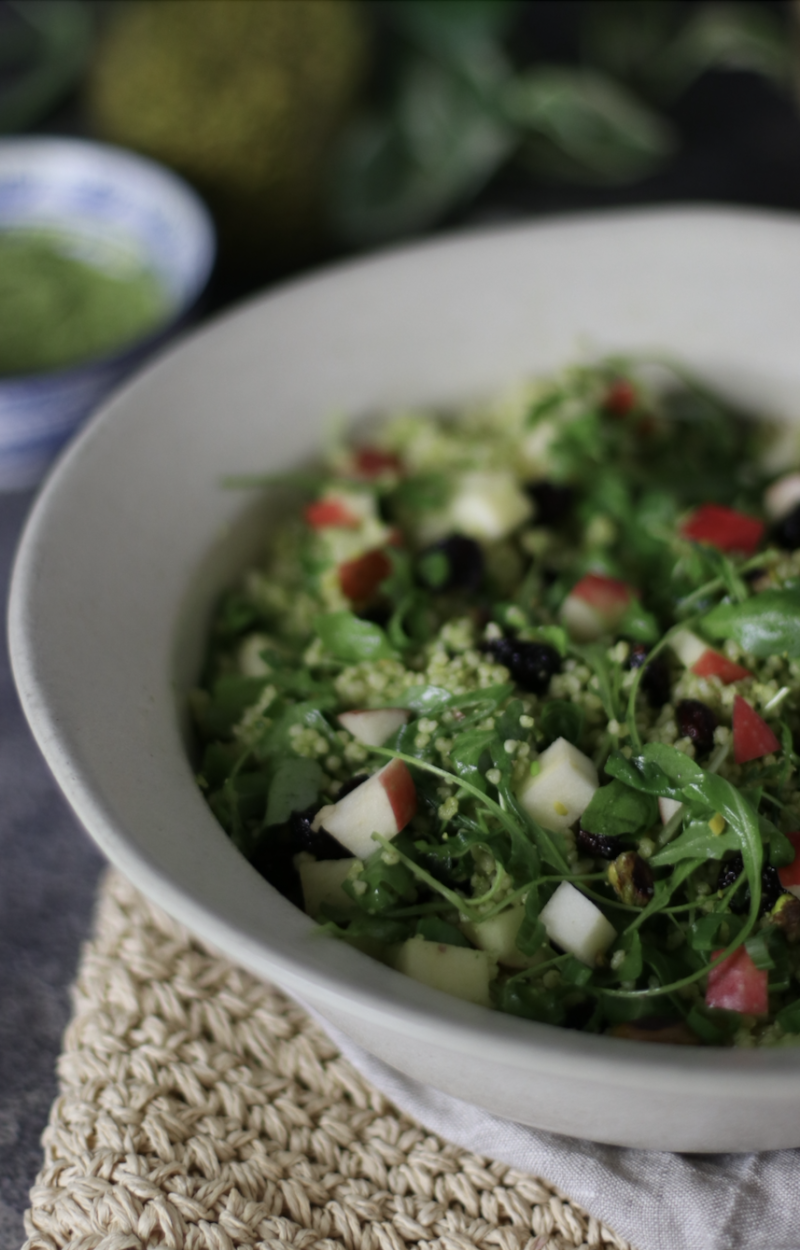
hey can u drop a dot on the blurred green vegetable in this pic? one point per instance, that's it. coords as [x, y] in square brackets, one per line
[457, 109]
[43, 52]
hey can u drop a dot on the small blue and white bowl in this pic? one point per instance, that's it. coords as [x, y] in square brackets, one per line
[108, 203]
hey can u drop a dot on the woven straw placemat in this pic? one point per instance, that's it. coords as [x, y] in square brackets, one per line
[200, 1108]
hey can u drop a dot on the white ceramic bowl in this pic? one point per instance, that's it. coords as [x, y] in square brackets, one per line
[134, 535]
[110, 204]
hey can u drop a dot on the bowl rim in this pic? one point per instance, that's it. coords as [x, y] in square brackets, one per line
[45, 148]
[420, 1013]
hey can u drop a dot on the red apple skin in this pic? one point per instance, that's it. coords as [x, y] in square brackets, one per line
[714, 664]
[789, 875]
[608, 595]
[752, 736]
[371, 462]
[360, 578]
[400, 791]
[330, 513]
[738, 985]
[724, 528]
[620, 398]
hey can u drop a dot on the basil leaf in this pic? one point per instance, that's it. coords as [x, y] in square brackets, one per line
[294, 787]
[768, 624]
[346, 637]
[616, 809]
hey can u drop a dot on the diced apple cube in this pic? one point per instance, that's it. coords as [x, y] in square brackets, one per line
[373, 726]
[383, 804]
[563, 789]
[687, 647]
[321, 881]
[667, 809]
[782, 497]
[498, 937]
[595, 606]
[573, 922]
[488, 505]
[456, 970]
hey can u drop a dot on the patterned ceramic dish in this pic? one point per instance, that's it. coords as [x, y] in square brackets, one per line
[108, 202]
[134, 536]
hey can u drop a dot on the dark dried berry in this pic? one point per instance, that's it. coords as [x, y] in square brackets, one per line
[554, 503]
[655, 682]
[318, 843]
[455, 563]
[771, 888]
[697, 722]
[531, 664]
[786, 533]
[596, 844]
[632, 879]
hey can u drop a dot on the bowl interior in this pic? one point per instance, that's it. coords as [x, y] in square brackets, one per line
[134, 536]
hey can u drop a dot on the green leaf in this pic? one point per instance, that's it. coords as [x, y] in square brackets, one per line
[435, 930]
[639, 624]
[643, 774]
[562, 719]
[789, 1017]
[616, 809]
[437, 148]
[294, 787]
[447, 28]
[729, 37]
[346, 637]
[768, 624]
[51, 48]
[712, 1025]
[696, 842]
[586, 127]
[631, 967]
[710, 932]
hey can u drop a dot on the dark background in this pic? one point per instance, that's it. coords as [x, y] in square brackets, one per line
[740, 145]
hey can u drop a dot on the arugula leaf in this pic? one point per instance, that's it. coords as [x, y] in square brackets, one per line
[346, 637]
[617, 809]
[642, 774]
[433, 929]
[767, 624]
[631, 967]
[696, 842]
[562, 719]
[294, 787]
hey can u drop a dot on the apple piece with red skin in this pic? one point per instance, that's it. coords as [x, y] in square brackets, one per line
[738, 985]
[360, 578]
[329, 514]
[724, 528]
[715, 664]
[789, 874]
[372, 462]
[595, 606]
[373, 726]
[752, 736]
[383, 804]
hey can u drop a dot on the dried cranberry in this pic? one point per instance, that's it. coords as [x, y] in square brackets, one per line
[787, 532]
[317, 842]
[596, 844]
[531, 664]
[771, 888]
[655, 682]
[553, 502]
[464, 566]
[697, 722]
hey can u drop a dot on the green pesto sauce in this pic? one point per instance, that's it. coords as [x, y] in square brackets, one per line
[57, 311]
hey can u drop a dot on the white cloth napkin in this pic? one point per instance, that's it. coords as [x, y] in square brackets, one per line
[655, 1200]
